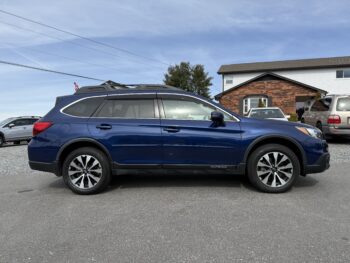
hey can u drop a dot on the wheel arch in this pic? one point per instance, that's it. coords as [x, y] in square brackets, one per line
[79, 143]
[278, 139]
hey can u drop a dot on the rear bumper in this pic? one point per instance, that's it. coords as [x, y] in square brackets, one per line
[321, 165]
[336, 131]
[44, 167]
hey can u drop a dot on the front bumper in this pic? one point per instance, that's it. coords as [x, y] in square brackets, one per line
[321, 165]
[44, 167]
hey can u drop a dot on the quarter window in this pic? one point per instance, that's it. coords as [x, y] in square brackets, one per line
[84, 108]
[129, 109]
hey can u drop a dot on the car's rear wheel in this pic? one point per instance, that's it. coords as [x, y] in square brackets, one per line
[17, 142]
[273, 168]
[1, 140]
[86, 171]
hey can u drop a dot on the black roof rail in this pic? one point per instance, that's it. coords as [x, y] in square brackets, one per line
[112, 86]
[152, 86]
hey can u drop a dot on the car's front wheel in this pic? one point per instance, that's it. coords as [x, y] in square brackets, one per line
[273, 168]
[1, 140]
[86, 171]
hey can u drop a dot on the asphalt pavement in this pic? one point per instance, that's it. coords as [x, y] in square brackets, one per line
[174, 219]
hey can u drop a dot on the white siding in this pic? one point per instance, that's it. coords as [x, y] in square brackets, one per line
[320, 78]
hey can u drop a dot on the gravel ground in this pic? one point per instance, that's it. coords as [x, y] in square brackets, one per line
[13, 158]
[174, 219]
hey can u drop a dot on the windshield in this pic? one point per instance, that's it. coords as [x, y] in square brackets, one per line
[5, 121]
[343, 104]
[266, 113]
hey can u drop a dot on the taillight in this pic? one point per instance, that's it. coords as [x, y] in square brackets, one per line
[41, 126]
[334, 119]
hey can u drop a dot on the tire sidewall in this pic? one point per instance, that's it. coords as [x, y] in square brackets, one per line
[106, 174]
[255, 157]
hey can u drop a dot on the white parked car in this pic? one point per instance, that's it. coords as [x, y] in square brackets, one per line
[273, 113]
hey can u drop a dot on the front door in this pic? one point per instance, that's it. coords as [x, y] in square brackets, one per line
[189, 137]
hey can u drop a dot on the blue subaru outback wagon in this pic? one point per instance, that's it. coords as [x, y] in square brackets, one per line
[106, 130]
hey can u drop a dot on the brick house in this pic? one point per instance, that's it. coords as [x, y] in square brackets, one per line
[289, 84]
[271, 89]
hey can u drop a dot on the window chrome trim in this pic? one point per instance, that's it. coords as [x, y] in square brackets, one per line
[148, 93]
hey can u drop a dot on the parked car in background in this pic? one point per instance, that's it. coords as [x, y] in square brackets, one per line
[273, 113]
[330, 114]
[102, 131]
[17, 129]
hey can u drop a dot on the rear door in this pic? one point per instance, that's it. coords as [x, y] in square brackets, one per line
[129, 126]
[319, 112]
[190, 138]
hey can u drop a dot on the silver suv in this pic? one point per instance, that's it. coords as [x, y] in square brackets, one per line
[330, 114]
[17, 129]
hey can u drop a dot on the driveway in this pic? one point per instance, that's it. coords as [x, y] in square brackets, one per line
[174, 219]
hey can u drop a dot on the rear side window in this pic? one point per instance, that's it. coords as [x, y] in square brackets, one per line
[343, 104]
[84, 108]
[321, 105]
[128, 109]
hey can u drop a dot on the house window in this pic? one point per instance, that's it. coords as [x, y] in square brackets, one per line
[344, 73]
[229, 80]
[254, 102]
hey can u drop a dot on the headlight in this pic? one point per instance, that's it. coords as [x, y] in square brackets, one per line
[313, 132]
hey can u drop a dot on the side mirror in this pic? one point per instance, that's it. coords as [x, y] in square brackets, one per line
[217, 118]
[11, 125]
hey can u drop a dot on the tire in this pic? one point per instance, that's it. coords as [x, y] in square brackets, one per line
[319, 126]
[17, 142]
[86, 171]
[270, 176]
[1, 141]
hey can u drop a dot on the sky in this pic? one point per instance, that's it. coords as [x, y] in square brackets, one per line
[160, 33]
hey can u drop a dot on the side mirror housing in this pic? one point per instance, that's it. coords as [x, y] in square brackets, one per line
[11, 125]
[217, 118]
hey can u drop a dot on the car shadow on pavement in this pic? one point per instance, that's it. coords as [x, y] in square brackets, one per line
[306, 181]
[340, 140]
[143, 181]
[13, 145]
[163, 181]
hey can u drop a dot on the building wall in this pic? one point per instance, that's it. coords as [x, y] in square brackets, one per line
[320, 78]
[280, 93]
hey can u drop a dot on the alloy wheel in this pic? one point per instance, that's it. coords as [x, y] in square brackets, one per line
[274, 169]
[85, 171]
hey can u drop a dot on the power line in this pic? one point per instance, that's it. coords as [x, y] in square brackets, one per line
[71, 42]
[47, 70]
[84, 38]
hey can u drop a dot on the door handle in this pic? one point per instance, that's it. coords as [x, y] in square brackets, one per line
[172, 129]
[104, 126]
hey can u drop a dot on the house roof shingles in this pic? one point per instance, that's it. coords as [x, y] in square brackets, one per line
[315, 63]
[274, 76]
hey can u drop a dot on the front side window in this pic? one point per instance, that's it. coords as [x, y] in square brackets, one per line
[254, 102]
[128, 108]
[84, 108]
[189, 110]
